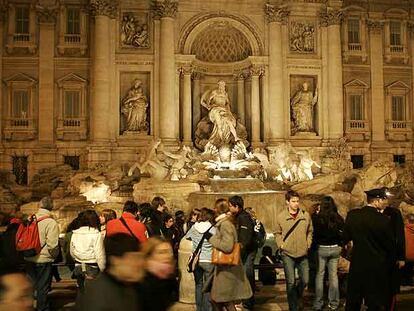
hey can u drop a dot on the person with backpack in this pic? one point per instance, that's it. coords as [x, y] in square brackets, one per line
[39, 265]
[9, 256]
[245, 236]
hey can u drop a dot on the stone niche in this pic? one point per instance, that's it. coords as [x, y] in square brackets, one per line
[134, 104]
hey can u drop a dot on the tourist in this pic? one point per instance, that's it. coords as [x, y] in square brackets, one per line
[148, 218]
[157, 290]
[294, 239]
[245, 236]
[328, 228]
[229, 283]
[128, 224]
[9, 256]
[87, 249]
[204, 268]
[179, 224]
[373, 254]
[192, 219]
[407, 272]
[105, 216]
[159, 207]
[15, 290]
[114, 289]
[267, 275]
[39, 267]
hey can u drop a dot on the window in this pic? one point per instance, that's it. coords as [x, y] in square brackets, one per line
[72, 161]
[22, 20]
[72, 104]
[357, 112]
[20, 106]
[20, 170]
[395, 33]
[353, 31]
[357, 161]
[397, 109]
[399, 159]
[73, 21]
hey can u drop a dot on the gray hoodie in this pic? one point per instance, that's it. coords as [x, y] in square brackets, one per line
[195, 233]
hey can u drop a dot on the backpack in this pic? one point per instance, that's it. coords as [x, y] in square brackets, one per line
[27, 237]
[259, 233]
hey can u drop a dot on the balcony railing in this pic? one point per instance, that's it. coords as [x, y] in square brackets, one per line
[357, 125]
[399, 125]
[354, 47]
[72, 39]
[396, 48]
[72, 123]
[20, 123]
[21, 37]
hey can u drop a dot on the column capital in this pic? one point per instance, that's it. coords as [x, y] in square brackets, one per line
[47, 14]
[375, 26]
[331, 17]
[104, 8]
[239, 76]
[186, 69]
[164, 8]
[275, 14]
[256, 70]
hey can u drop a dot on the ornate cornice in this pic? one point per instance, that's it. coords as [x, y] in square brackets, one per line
[104, 7]
[332, 17]
[375, 26]
[164, 8]
[275, 14]
[47, 14]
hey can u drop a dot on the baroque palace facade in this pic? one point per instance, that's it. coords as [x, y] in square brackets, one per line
[85, 82]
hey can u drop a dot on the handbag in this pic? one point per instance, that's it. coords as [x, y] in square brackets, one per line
[195, 256]
[226, 259]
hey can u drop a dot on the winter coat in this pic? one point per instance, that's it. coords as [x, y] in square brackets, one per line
[245, 233]
[373, 255]
[229, 282]
[409, 242]
[49, 237]
[195, 234]
[138, 229]
[86, 246]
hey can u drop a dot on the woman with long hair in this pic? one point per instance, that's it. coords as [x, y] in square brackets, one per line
[229, 284]
[105, 216]
[328, 226]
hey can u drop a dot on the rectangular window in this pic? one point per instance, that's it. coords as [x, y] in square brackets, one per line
[353, 31]
[72, 104]
[72, 161]
[357, 161]
[20, 106]
[399, 159]
[397, 113]
[395, 33]
[357, 112]
[73, 21]
[22, 20]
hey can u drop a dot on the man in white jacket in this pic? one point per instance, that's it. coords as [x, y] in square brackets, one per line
[39, 267]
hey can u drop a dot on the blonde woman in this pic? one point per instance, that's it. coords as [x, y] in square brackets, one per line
[229, 283]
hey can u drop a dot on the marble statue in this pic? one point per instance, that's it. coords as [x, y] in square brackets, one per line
[305, 166]
[178, 162]
[302, 105]
[134, 108]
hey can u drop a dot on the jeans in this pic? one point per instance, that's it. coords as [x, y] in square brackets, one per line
[327, 256]
[248, 264]
[295, 289]
[201, 275]
[41, 277]
[84, 277]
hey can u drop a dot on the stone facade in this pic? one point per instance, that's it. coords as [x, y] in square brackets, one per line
[67, 66]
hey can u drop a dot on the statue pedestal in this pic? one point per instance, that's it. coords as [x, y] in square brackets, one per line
[187, 284]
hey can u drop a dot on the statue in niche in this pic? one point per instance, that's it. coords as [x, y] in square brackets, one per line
[302, 37]
[220, 127]
[133, 32]
[302, 105]
[134, 108]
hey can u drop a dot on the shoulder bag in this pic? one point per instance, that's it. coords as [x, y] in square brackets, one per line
[195, 256]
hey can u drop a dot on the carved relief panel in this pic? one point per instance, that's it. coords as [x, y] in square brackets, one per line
[134, 30]
[134, 103]
[302, 37]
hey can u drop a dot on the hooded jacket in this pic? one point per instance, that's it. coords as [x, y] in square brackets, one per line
[86, 246]
[409, 242]
[195, 234]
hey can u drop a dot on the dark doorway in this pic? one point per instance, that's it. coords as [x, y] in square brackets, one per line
[20, 170]
[72, 161]
[357, 161]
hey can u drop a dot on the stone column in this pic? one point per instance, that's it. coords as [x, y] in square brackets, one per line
[3, 10]
[47, 21]
[335, 85]
[275, 17]
[255, 73]
[186, 114]
[377, 83]
[196, 99]
[103, 10]
[241, 110]
[166, 11]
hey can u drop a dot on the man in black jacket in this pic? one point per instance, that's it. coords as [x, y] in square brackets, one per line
[373, 254]
[245, 235]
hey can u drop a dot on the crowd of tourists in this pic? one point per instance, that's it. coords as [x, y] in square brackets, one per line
[130, 262]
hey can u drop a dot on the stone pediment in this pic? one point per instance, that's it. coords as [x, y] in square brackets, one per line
[20, 77]
[398, 85]
[356, 83]
[71, 78]
[395, 13]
